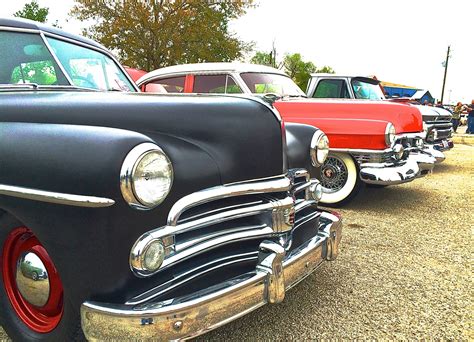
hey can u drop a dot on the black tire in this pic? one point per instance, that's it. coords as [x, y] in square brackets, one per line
[69, 327]
[342, 183]
[34, 276]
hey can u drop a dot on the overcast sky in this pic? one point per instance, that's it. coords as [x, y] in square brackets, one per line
[400, 41]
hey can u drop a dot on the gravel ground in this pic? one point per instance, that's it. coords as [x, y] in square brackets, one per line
[404, 271]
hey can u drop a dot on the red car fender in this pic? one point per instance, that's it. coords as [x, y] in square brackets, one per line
[350, 133]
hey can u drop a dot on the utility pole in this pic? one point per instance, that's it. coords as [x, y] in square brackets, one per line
[445, 72]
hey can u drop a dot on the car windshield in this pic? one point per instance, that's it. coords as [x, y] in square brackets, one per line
[89, 68]
[260, 83]
[366, 90]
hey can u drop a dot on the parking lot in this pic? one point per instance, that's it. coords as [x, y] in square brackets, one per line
[404, 270]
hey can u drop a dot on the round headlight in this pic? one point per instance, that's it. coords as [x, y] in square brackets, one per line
[319, 148]
[146, 176]
[390, 134]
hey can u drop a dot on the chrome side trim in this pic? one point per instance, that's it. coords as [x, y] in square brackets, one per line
[360, 150]
[55, 197]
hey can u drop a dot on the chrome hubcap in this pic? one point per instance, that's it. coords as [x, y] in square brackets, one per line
[333, 174]
[32, 279]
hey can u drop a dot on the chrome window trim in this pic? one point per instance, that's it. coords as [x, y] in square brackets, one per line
[56, 59]
[44, 34]
[55, 197]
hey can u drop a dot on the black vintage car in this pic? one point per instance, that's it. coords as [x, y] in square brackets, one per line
[151, 217]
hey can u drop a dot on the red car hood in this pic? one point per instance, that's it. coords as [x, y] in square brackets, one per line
[405, 118]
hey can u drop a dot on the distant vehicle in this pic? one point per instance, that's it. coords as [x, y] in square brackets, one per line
[437, 125]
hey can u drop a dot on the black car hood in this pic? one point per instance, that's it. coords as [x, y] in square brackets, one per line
[243, 136]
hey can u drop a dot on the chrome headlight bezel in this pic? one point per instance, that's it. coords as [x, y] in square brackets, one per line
[319, 148]
[128, 173]
[390, 134]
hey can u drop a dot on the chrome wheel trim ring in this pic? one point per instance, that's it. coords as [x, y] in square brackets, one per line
[334, 174]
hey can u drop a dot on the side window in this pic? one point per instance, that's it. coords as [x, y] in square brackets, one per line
[232, 87]
[41, 72]
[166, 85]
[215, 84]
[331, 89]
[209, 84]
[26, 59]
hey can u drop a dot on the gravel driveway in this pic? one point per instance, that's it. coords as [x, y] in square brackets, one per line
[404, 270]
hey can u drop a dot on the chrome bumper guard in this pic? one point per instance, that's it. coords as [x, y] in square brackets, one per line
[196, 314]
[390, 173]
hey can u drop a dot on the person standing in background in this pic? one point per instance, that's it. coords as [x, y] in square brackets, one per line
[457, 116]
[470, 119]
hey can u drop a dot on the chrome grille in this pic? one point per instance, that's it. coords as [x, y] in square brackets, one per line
[227, 214]
[383, 157]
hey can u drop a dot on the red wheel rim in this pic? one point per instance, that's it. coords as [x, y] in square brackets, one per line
[40, 319]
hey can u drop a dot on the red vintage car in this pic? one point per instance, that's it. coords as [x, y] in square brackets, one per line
[377, 143]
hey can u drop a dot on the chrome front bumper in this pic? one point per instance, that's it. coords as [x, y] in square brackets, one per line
[193, 315]
[390, 173]
[436, 150]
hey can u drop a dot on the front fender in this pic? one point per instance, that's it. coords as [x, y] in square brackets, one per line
[350, 133]
[90, 246]
[298, 139]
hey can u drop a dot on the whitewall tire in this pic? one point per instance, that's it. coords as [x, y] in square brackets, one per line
[339, 178]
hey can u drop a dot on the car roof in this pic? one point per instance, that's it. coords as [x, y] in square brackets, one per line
[25, 24]
[212, 68]
[366, 78]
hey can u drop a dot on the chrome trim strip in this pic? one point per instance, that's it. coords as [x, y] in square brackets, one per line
[55, 197]
[190, 275]
[200, 248]
[365, 151]
[56, 59]
[224, 191]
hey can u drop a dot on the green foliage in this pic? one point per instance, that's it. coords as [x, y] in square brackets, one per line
[41, 72]
[326, 69]
[154, 34]
[293, 65]
[32, 11]
[262, 58]
[299, 70]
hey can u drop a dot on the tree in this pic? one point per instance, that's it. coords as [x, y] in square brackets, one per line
[299, 70]
[32, 11]
[262, 58]
[157, 33]
[293, 65]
